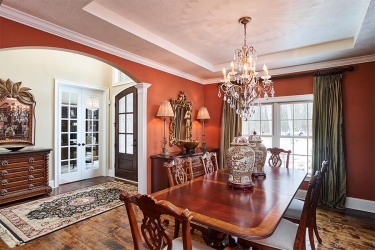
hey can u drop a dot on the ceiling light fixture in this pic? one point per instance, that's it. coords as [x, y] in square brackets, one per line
[241, 89]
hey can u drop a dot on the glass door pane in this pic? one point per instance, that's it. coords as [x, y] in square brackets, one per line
[92, 132]
[69, 122]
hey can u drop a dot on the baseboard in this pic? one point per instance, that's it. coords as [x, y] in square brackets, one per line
[51, 183]
[359, 204]
[351, 203]
[111, 173]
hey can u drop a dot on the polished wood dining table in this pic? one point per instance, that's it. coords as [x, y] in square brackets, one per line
[252, 214]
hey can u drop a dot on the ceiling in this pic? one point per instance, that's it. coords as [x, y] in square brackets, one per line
[196, 39]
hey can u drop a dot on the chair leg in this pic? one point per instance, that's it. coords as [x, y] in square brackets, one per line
[311, 236]
[316, 230]
[176, 228]
[317, 234]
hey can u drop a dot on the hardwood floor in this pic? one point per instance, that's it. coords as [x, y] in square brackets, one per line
[347, 229]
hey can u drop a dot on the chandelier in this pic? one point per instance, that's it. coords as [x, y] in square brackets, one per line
[19, 112]
[241, 88]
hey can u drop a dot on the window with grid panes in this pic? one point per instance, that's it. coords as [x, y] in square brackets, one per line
[285, 124]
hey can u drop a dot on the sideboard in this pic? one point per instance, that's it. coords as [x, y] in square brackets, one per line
[159, 178]
[24, 173]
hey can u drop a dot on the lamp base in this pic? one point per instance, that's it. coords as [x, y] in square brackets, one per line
[204, 147]
[165, 152]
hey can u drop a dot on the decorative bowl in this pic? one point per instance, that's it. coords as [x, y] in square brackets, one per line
[189, 145]
[14, 147]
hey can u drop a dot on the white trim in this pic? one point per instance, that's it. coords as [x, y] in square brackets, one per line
[351, 203]
[31, 21]
[51, 183]
[142, 137]
[290, 98]
[360, 204]
[26, 19]
[310, 67]
[103, 129]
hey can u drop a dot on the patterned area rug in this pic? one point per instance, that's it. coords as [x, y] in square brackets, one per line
[25, 222]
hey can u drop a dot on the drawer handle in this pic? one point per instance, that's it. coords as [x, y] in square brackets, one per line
[4, 182]
[31, 186]
[31, 160]
[4, 163]
[31, 177]
[31, 169]
[4, 192]
[4, 173]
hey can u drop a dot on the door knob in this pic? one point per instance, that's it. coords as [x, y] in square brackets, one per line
[83, 144]
[79, 144]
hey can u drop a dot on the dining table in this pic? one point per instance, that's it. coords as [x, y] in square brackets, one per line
[248, 214]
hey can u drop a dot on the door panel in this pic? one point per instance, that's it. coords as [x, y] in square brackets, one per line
[79, 129]
[126, 134]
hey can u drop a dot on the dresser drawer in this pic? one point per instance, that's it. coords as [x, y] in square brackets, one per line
[22, 161]
[22, 180]
[20, 171]
[20, 188]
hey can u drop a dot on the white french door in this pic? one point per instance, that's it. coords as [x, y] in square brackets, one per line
[79, 118]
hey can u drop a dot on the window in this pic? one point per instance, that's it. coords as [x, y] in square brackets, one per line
[285, 123]
[119, 78]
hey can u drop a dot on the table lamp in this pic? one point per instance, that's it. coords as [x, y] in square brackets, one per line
[165, 109]
[203, 115]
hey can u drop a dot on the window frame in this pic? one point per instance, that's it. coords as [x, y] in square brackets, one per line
[276, 119]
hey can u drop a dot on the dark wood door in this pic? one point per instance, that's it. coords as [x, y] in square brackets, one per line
[126, 135]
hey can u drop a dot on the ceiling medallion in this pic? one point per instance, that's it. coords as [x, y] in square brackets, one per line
[243, 87]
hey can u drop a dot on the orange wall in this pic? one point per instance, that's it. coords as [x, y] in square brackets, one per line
[358, 102]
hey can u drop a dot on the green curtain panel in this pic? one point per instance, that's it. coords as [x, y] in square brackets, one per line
[328, 138]
[231, 125]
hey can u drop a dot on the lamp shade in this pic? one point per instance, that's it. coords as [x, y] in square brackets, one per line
[203, 114]
[165, 109]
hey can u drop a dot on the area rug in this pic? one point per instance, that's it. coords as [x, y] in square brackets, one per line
[25, 222]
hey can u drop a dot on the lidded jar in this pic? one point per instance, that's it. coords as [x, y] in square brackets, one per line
[255, 142]
[240, 160]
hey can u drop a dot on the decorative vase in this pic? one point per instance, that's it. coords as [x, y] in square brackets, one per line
[240, 160]
[255, 142]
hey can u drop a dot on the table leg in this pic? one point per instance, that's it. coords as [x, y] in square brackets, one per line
[219, 240]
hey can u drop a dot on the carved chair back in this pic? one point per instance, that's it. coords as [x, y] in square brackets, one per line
[179, 170]
[152, 228]
[278, 155]
[209, 162]
[312, 192]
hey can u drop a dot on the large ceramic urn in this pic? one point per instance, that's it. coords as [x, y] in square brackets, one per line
[255, 142]
[240, 161]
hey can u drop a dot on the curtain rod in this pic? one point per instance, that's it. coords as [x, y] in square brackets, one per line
[333, 71]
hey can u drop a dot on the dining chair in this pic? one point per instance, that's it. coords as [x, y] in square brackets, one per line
[288, 235]
[179, 171]
[209, 162]
[278, 156]
[152, 229]
[294, 211]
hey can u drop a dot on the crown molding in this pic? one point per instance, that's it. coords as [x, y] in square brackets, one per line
[48, 27]
[311, 67]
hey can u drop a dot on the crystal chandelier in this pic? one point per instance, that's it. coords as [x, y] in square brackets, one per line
[243, 87]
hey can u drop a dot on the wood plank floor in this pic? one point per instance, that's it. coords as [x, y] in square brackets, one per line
[347, 229]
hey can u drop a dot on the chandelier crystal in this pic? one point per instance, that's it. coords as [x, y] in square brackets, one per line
[241, 88]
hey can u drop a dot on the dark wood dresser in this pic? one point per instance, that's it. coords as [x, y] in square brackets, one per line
[159, 178]
[24, 173]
